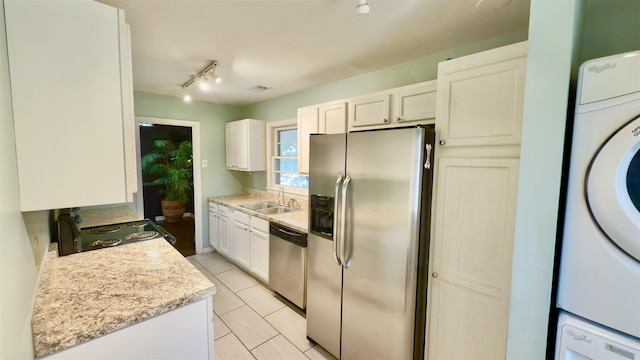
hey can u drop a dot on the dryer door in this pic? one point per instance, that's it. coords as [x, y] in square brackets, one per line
[613, 188]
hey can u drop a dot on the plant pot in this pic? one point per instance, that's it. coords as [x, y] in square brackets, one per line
[172, 210]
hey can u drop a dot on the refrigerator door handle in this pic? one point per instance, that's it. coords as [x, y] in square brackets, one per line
[336, 216]
[343, 221]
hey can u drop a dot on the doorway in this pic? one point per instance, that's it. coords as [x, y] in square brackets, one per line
[188, 231]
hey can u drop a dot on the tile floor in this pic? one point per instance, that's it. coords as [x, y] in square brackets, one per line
[249, 321]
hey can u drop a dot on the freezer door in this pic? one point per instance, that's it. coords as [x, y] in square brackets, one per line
[324, 275]
[382, 243]
[324, 292]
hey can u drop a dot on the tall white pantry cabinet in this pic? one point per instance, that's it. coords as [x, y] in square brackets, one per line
[478, 129]
[72, 97]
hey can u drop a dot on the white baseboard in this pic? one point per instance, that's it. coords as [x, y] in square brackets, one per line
[208, 249]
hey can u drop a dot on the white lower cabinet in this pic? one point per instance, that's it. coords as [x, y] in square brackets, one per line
[214, 226]
[260, 248]
[224, 230]
[241, 239]
[183, 333]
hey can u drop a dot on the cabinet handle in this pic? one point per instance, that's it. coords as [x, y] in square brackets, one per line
[386, 120]
[435, 274]
[442, 142]
[399, 119]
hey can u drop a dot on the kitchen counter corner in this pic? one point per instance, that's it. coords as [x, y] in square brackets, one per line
[87, 295]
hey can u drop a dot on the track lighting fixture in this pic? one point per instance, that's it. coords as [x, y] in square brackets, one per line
[362, 7]
[203, 79]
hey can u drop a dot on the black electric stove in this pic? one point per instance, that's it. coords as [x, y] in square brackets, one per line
[100, 237]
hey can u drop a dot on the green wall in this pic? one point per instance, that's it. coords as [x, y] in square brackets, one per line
[216, 179]
[406, 73]
[18, 266]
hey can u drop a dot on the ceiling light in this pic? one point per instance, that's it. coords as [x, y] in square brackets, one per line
[362, 7]
[203, 83]
[185, 95]
[203, 80]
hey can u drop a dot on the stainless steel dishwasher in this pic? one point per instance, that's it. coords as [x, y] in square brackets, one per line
[288, 263]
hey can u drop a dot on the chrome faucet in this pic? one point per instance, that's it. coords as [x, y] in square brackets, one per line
[281, 196]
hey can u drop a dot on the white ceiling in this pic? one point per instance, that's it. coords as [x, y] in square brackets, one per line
[291, 45]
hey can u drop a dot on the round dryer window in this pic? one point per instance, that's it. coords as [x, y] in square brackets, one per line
[613, 188]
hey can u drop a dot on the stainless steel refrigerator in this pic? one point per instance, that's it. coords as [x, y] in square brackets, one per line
[370, 201]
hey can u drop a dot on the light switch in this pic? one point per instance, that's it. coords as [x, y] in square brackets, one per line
[204, 163]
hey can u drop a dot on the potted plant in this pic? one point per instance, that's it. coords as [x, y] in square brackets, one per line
[173, 168]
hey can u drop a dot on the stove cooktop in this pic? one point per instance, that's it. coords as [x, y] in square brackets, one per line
[100, 237]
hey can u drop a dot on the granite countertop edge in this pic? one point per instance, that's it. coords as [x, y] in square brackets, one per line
[297, 220]
[48, 339]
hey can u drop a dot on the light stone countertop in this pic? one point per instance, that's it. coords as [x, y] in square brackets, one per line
[86, 295]
[106, 216]
[297, 220]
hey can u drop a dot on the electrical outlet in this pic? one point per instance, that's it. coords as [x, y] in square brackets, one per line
[204, 163]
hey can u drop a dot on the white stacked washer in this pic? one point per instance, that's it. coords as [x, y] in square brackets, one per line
[600, 264]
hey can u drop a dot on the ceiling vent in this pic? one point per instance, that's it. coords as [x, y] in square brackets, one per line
[258, 88]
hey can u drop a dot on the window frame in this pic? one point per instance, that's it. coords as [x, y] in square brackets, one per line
[272, 131]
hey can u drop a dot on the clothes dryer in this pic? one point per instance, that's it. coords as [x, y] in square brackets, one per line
[580, 339]
[600, 263]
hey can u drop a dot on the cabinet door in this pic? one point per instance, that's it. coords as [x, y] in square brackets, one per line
[66, 88]
[480, 98]
[230, 147]
[369, 110]
[333, 118]
[241, 248]
[307, 124]
[472, 245]
[224, 232]
[260, 248]
[260, 254]
[241, 144]
[213, 226]
[415, 103]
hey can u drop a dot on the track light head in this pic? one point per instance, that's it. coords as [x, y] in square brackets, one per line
[362, 7]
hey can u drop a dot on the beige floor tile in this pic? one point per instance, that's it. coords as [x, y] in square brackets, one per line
[225, 300]
[318, 353]
[292, 326]
[219, 328]
[210, 276]
[260, 300]
[235, 280]
[230, 348]
[195, 262]
[250, 328]
[200, 257]
[277, 348]
[217, 265]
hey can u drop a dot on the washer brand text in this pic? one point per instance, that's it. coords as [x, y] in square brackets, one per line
[598, 69]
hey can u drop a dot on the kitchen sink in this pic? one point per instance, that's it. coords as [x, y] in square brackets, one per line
[276, 210]
[260, 205]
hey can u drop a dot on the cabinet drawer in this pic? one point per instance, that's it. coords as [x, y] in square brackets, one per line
[213, 207]
[242, 218]
[223, 210]
[259, 224]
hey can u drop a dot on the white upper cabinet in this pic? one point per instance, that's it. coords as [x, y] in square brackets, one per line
[480, 98]
[415, 103]
[332, 118]
[369, 110]
[70, 72]
[307, 124]
[246, 145]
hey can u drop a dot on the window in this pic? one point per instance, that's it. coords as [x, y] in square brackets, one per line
[283, 169]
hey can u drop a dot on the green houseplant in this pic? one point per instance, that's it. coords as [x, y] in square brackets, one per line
[172, 168]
